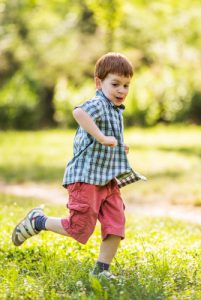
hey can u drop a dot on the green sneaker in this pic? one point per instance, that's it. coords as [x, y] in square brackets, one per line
[26, 228]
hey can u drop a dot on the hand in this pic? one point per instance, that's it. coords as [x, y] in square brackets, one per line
[126, 148]
[109, 141]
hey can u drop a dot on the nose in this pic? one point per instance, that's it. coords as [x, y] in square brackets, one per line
[122, 90]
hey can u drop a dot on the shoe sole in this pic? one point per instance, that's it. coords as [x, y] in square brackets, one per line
[19, 243]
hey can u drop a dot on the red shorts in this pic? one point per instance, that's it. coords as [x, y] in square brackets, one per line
[89, 202]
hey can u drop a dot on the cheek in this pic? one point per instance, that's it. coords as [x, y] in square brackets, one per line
[112, 89]
[109, 90]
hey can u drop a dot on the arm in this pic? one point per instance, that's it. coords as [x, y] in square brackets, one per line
[88, 124]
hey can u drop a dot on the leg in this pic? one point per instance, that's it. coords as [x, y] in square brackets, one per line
[109, 248]
[112, 219]
[79, 225]
[54, 225]
[33, 223]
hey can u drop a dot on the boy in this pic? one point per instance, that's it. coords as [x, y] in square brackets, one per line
[98, 169]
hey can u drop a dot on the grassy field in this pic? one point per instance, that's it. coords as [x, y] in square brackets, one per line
[168, 156]
[159, 259]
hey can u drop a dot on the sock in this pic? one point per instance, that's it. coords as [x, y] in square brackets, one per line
[100, 267]
[40, 223]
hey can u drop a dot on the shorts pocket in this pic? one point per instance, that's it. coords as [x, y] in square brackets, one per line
[78, 217]
[79, 207]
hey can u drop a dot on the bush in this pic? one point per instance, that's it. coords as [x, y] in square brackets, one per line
[195, 108]
[18, 117]
[18, 103]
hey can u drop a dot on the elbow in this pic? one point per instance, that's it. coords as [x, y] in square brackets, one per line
[76, 112]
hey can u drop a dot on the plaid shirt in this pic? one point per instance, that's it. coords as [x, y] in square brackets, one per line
[93, 162]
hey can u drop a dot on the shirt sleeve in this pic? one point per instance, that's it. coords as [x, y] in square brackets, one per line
[93, 108]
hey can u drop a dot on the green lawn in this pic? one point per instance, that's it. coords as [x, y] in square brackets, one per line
[168, 155]
[159, 259]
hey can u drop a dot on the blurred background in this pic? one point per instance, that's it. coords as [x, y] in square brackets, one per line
[48, 50]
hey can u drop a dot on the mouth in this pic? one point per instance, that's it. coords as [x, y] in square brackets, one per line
[119, 99]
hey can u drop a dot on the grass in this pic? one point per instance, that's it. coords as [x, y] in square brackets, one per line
[38, 156]
[168, 155]
[159, 259]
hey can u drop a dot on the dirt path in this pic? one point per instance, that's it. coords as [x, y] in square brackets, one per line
[57, 195]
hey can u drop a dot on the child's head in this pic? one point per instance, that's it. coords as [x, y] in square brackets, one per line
[113, 63]
[113, 73]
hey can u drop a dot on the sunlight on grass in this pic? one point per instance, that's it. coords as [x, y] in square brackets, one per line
[159, 259]
[168, 156]
[34, 156]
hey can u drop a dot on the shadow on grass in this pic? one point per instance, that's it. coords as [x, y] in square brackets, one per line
[55, 175]
[37, 173]
[195, 151]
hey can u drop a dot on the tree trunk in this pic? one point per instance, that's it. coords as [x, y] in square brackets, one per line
[46, 107]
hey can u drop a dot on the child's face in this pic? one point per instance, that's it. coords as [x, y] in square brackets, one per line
[114, 87]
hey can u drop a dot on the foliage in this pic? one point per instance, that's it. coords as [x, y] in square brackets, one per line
[46, 43]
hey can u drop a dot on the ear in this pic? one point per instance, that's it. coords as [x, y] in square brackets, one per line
[98, 83]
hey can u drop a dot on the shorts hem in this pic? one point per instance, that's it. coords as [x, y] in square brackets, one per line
[111, 231]
[72, 234]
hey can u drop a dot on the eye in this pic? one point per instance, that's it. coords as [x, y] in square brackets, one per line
[114, 84]
[126, 86]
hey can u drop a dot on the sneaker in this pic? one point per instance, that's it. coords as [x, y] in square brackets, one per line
[104, 275]
[26, 228]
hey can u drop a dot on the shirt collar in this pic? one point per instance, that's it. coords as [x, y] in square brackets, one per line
[100, 93]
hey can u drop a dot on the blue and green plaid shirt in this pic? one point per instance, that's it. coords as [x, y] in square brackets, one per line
[93, 162]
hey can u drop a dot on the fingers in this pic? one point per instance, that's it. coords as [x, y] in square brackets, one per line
[126, 149]
[110, 141]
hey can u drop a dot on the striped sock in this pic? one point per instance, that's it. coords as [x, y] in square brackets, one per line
[40, 223]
